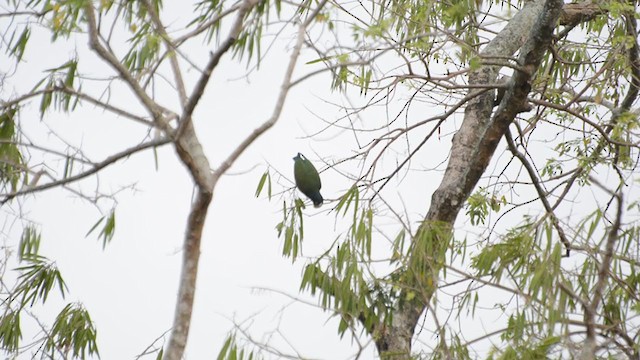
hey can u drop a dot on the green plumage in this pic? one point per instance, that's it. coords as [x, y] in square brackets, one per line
[307, 179]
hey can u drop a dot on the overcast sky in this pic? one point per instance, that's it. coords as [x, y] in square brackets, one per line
[130, 287]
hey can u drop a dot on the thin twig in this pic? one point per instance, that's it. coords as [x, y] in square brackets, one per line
[96, 167]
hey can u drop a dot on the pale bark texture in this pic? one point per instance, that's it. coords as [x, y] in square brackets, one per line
[189, 148]
[530, 33]
[191, 154]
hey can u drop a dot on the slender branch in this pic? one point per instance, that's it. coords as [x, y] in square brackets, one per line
[171, 49]
[96, 167]
[82, 96]
[7, 104]
[284, 90]
[105, 106]
[151, 348]
[25, 13]
[542, 194]
[214, 59]
[205, 26]
[441, 119]
[588, 351]
[47, 150]
[602, 131]
[154, 109]
[633, 54]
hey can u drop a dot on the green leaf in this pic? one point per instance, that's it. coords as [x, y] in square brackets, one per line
[265, 178]
[68, 167]
[21, 44]
[346, 199]
[12, 168]
[45, 102]
[108, 230]
[73, 329]
[95, 226]
[36, 281]
[29, 243]
[475, 63]
[322, 59]
[231, 351]
[225, 348]
[10, 333]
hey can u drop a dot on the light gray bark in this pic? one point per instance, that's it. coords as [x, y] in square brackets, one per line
[192, 156]
[530, 32]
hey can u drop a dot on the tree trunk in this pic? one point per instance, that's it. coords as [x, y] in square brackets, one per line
[530, 31]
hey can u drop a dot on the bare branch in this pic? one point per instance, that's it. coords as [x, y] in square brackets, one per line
[214, 59]
[284, 90]
[205, 26]
[589, 349]
[575, 13]
[633, 55]
[94, 169]
[155, 110]
[542, 194]
[187, 144]
[171, 49]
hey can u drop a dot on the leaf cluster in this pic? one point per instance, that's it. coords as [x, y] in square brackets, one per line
[72, 331]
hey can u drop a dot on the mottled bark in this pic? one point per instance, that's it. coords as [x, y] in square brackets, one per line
[530, 31]
[576, 13]
[189, 275]
[191, 154]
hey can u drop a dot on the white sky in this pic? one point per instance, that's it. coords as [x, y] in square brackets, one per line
[130, 287]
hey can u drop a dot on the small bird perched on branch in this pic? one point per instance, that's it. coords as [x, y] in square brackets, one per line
[307, 179]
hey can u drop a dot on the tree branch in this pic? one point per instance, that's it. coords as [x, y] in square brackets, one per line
[542, 194]
[155, 110]
[187, 144]
[95, 168]
[171, 49]
[284, 91]
[589, 349]
[214, 59]
[473, 147]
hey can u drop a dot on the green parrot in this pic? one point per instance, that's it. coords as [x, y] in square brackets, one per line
[307, 179]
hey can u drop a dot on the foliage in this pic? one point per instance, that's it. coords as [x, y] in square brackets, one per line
[231, 351]
[11, 160]
[72, 331]
[132, 43]
[108, 230]
[547, 175]
[537, 252]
